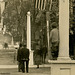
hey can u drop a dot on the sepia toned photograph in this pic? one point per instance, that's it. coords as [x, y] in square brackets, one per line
[37, 37]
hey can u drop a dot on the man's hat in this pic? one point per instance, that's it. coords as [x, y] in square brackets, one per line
[54, 24]
[24, 44]
[20, 45]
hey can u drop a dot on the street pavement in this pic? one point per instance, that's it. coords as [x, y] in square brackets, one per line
[32, 71]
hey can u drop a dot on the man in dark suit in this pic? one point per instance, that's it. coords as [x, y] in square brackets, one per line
[19, 57]
[25, 58]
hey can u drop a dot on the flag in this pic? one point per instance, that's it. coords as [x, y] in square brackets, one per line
[41, 4]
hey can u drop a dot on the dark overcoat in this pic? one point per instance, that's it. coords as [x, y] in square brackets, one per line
[25, 54]
[37, 57]
[19, 54]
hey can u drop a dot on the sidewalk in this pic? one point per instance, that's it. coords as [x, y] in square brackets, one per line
[16, 66]
[43, 70]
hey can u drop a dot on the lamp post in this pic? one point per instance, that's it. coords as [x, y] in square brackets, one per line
[29, 37]
[28, 31]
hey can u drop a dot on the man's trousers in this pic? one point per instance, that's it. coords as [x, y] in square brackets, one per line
[25, 64]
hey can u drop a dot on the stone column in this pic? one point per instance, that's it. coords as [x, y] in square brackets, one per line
[29, 37]
[64, 29]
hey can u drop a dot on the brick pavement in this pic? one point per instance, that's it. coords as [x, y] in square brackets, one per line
[32, 71]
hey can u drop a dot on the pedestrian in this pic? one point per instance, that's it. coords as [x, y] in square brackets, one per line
[19, 57]
[37, 56]
[25, 58]
[54, 40]
[43, 53]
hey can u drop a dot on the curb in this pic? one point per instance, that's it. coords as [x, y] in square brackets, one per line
[16, 66]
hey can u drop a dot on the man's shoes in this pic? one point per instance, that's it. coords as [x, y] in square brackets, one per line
[37, 67]
[19, 70]
[23, 71]
[26, 72]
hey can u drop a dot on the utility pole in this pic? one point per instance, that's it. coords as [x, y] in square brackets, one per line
[47, 21]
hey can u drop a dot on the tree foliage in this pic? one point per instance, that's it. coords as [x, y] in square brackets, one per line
[15, 15]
